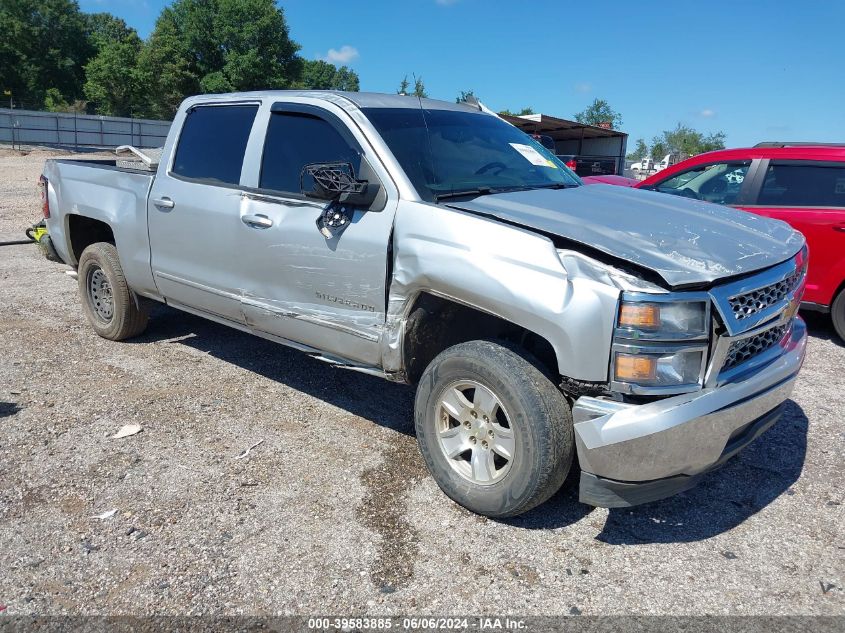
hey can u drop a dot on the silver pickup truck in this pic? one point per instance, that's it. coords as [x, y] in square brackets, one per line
[432, 243]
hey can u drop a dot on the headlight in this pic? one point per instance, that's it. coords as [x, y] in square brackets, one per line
[664, 319]
[660, 343]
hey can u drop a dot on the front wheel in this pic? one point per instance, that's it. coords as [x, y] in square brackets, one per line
[494, 430]
[106, 298]
[837, 314]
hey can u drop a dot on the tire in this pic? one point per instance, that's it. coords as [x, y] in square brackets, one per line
[837, 314]
[527, 417]
[106, 298]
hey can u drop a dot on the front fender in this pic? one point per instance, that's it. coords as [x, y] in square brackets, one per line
[503, 270]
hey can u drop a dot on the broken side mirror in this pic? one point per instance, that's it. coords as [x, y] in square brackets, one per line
[336, 182]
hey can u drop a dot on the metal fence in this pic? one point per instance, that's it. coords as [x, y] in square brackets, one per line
[68, 129]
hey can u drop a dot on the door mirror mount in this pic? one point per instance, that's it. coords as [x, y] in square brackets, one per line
[336, 182]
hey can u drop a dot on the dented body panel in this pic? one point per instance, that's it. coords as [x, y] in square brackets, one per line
[687, 242]
[509, 272]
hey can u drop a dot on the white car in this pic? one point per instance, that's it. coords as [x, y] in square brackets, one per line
[646, 164]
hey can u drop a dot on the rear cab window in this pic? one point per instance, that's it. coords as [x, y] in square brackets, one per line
[804, 184]
[212, 143]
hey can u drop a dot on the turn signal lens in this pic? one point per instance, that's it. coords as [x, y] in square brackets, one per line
[631, 368]
[45, 198]
[639, 315]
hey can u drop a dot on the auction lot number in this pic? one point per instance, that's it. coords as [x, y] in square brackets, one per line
[377, 624]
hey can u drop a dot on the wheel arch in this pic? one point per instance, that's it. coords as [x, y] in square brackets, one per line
[82, 231]
[435, 322]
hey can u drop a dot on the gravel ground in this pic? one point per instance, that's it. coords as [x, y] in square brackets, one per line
[334, 512]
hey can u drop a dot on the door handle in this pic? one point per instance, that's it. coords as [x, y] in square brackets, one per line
[840, 228]
[257, 221]
[164, 202]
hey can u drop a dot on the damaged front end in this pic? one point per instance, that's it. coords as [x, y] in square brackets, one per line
[689, 391]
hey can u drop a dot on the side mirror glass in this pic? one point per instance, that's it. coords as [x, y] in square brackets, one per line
[336, 182]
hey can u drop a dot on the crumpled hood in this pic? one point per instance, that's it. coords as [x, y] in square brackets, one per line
[685, 241]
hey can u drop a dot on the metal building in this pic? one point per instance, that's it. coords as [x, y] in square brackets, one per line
[593, 148]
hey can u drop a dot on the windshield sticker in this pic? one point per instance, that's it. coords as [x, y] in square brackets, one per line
[532, 155]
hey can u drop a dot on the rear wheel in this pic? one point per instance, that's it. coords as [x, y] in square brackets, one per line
[106, 298]
[494, 430]
[837, 314]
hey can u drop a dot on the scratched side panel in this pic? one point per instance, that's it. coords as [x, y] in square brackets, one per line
[500, 269]
[329, 294]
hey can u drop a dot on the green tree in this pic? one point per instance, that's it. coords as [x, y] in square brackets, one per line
[462, 96]
[418, 91]
[659, 149]
[599, 112]
[43, 44]
[54, 101]
[347, 79]
[687, 141]
[523, 112]
[321, 75]
[164, 69]
[104, 28]
[640, 151]
[713, 141]
[112, 82]
[419, 88]
[201, 46]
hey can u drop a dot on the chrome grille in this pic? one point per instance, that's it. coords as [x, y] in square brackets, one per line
[745, 349]
[750, 303]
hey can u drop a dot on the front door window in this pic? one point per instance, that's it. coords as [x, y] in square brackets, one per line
[718, 182]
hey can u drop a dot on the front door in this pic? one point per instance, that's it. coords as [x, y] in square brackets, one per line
[323, 292]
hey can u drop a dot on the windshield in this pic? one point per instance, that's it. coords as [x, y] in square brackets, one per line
[449, 152]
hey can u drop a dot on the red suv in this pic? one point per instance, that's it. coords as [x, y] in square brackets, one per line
[802, 184]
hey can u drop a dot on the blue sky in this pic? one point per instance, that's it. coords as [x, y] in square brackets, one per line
[757, 70]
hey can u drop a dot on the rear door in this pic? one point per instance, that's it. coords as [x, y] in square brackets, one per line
[194, 211]
[809, 195]
[326, 293]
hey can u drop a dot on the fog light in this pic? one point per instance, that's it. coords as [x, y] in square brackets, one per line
[682, 367]
[632, 368]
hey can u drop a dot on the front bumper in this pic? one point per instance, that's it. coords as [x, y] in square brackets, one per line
[632, 454]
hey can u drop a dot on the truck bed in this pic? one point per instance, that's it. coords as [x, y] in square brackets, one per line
[116, 164]
[101, 190]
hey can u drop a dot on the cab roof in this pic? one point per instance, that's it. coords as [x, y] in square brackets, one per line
[806, 151]
[357, 99]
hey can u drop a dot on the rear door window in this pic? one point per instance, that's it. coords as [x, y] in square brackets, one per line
[803, 185]
[717, 182]
[296, 139]
[213, 141]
